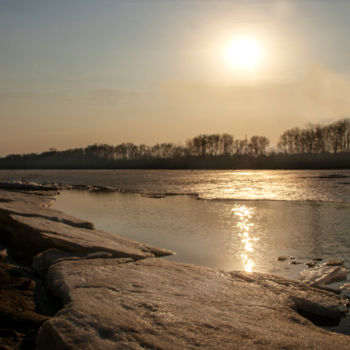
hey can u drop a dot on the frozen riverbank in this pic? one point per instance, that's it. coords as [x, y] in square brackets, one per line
[117, 294]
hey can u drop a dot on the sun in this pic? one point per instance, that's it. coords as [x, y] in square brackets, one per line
[244, 53]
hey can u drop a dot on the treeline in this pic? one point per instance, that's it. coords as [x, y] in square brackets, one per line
[206, 146]
[332, 138]
[313, 147]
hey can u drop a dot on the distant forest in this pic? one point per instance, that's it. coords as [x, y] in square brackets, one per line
[314, 147]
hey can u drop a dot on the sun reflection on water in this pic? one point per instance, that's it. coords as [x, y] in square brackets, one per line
[245, 226]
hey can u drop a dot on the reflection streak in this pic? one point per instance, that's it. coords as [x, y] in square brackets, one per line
[244, 215]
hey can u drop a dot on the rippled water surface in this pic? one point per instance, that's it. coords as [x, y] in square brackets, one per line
[299, 185]
[243, 220]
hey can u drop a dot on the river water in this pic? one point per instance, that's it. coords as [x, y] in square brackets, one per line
[231, 220]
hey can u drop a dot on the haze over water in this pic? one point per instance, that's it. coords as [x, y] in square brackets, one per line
[244, 220]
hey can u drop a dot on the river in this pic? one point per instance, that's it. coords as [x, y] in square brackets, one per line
[231, 220]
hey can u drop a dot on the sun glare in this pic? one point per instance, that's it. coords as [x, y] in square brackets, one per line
[244, 53]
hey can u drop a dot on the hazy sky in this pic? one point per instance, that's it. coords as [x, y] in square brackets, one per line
[76, 72]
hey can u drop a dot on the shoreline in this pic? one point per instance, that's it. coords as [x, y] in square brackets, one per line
[116, 293]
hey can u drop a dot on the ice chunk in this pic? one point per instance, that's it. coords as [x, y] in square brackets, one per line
[323, 274]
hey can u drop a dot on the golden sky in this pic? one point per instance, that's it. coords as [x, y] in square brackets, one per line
[81, 71]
